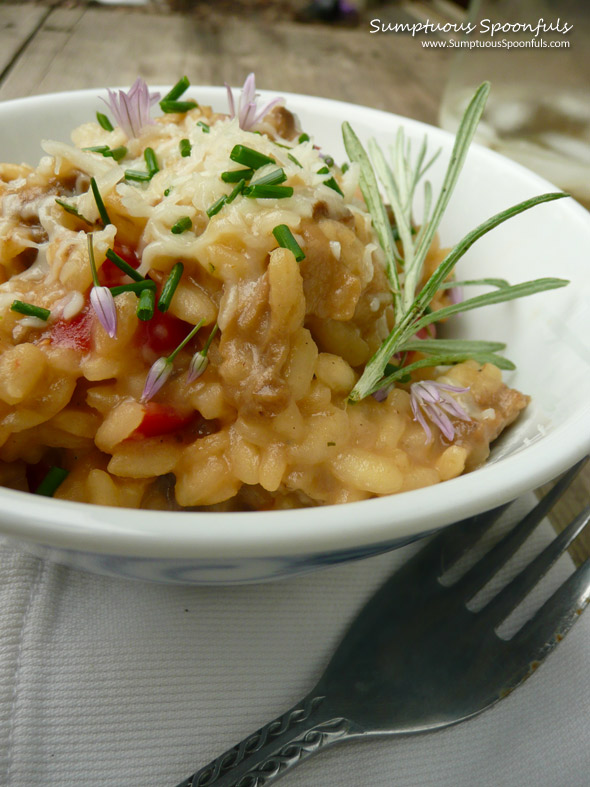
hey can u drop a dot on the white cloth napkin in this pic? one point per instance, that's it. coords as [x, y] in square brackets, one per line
[106, 682]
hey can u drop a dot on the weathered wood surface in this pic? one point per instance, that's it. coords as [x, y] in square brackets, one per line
[65, 46]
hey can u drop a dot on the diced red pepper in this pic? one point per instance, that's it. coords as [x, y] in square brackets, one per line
[75, 333]
[163, 333]
[162, 419]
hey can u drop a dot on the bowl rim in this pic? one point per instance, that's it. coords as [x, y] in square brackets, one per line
[137, 532]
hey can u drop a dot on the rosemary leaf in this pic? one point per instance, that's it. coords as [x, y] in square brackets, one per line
[448, 359]
[458, 155]
[448, 285]
[442, 346]
[370, 190]
[489, 298]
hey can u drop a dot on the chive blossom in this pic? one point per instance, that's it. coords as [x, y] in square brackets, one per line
[123, 266]
[214, 209]
[285, 239]
[137, 287]
[151, 161]
[52, 481]
[104, 216]
[249, 157]
[29, 310]
[205, 128]
[104, 122]
[179, 107]
[235, 175]
[162, 368]
[268, 192]
[185, 148]
[179, 88]
[101, 298]
[200, 361]
[271, 178]
[170, 286]
[183, 224]
[147, 304]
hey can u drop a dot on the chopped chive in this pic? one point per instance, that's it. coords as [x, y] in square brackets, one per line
[104, 216]
[97, 149]
[170, 286]
[52, 481]
[217, 206]
[137, 287]
[116, 153]
[329, 161]
[249, 157]
[71, 209]
[294, 160]
[177, 106]
[238, 189]
[147, 304]
[204, 126]
[235, 175]
[303, 138]
[167, 192]
[268, 192]
[179, 88]
[323, 171]
[123, 266]
[31, 311]
[104, 122]
[136, 174]
[331, 184]
[271, 179]
[285, 239]
[181, 225]
[345, 167]
[185, 147]
[151, 161]
[278, 144]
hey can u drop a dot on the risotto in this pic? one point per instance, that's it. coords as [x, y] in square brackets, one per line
[249, 293]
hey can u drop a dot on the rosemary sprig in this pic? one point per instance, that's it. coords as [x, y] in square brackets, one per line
[414, 318]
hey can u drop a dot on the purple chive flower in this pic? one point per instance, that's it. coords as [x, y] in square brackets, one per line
[433, 401]
[101, 298]
[248, 113]
[157, 376]
[198, 364]
[132, 109]
[104, 307]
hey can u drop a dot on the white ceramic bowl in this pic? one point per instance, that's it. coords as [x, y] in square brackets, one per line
[547, 337]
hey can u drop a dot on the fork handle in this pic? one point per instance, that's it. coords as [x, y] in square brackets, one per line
[274, 749]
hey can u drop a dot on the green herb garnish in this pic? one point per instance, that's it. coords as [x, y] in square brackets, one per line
[179, 107]
[170, 286]
[272, 178]
[123, 266]
[31, 311]
[214, 209]
[206, 129]
[52, 481]
[104, 216]
[147, 304]
[185, 148]
[235, 175]
[72, 210]
[285, 239]
[137, 287]
[182, 225]
[249, 157]
[268, 192]
[104, 122]
[176, 92]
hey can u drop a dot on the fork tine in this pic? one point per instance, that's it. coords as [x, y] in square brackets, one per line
[537, 638]
[510, 596]
[477, 576]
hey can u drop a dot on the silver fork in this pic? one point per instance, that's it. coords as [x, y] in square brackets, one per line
[458, 666]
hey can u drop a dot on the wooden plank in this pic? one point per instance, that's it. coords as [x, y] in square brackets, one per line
[383, 71]
[17, 24]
